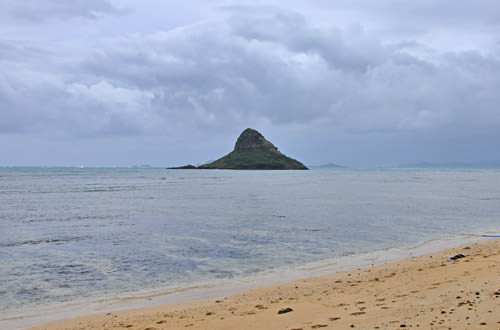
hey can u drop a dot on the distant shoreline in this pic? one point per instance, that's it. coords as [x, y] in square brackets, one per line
[312, 167]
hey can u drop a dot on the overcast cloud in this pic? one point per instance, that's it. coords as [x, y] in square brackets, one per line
[35, 10]
[357, 82]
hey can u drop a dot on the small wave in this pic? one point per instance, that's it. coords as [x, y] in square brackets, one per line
[108, 189]
[56, 241]
[489, 199]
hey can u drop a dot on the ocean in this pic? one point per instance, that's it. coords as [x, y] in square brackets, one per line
[76, 236]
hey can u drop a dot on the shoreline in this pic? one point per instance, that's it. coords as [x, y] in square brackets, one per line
[205, 296]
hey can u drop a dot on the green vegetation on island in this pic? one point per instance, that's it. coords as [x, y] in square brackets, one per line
[253, 152]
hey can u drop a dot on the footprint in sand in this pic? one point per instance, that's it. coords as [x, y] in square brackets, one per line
[247, 313]
[358, 313]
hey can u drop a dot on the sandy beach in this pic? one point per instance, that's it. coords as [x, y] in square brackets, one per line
[427, 291]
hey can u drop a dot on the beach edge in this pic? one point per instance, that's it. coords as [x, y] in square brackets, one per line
[372, 296]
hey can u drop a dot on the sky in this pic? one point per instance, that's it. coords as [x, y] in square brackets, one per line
[355, 82]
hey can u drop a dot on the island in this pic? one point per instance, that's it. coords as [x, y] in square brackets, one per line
[252, 152]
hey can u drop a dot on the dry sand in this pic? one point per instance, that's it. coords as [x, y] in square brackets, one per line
[426, 292]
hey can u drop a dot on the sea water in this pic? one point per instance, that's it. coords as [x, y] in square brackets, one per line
[77, 235]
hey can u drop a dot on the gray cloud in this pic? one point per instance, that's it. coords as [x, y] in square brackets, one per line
[339, 48]
[39, 11]
[427, 13]
[350, 84]
[296, 73]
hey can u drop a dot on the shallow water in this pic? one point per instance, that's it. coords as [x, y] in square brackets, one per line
[83, 234]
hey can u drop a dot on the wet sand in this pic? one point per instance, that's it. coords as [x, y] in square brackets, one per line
[427, 292]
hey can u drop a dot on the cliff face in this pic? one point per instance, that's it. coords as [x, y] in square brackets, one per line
[251, 140]
[253, 152]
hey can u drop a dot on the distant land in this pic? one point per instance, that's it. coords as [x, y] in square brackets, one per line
[329, 165]
[463, 165]
[252, 152]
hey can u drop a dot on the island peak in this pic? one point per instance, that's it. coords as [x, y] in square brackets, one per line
[251, 140]
[253, 152]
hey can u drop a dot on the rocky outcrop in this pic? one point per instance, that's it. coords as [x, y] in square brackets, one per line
[253, 152]
[185, 167]
[251, 140]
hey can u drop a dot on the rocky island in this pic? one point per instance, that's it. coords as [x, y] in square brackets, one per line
[253, 152]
